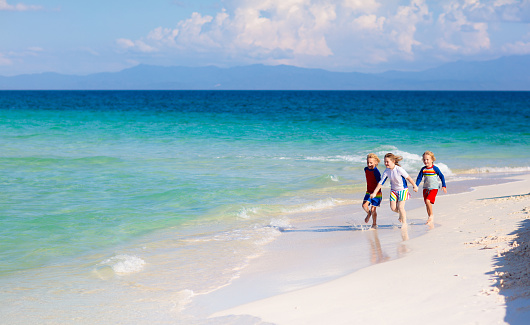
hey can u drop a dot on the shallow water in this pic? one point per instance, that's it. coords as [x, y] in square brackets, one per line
[139, 198]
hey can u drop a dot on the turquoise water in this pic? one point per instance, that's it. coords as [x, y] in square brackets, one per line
[89, 175]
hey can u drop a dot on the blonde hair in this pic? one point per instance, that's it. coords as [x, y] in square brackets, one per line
[394, 158]
[373, 156]
[430, 154]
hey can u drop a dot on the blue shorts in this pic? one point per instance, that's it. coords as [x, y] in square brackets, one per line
[376, 201]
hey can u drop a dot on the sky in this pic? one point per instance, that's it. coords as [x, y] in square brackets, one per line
[84, 37]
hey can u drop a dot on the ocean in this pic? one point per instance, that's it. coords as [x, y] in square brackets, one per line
[146, 198]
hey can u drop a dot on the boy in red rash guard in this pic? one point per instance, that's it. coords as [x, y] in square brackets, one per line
[372, 179]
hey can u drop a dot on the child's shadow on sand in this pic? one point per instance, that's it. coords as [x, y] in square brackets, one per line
[377, 255]
[335, 228]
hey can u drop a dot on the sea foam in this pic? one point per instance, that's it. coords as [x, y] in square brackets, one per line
[314, 206]
[500, 169]
[411, 162]
[124, 264]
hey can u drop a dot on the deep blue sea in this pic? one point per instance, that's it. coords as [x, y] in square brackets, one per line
[101, 185]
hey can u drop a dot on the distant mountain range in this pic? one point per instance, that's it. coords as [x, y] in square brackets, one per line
[506, 73]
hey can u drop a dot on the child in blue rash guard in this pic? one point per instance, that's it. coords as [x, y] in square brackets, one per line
[430, 174]
[399, 191]
[372, 178]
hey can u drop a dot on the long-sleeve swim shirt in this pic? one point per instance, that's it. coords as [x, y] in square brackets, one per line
[430, 177]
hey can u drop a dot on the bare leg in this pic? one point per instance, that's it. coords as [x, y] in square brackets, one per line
[393, 206]
[399, 207]
[368, 212]
[374, 217]
[402, 212]
[430, 212]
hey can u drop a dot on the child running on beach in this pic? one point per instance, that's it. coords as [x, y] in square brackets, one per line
[430, 174]
[373, 176]
[399, 191]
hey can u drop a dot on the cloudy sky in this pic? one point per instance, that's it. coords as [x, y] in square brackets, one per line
[82, 37]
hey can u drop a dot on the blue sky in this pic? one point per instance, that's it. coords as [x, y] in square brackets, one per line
[83, 37]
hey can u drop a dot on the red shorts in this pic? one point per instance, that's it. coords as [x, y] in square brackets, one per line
[430, 195]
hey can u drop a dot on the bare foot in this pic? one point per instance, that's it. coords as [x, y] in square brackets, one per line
[368, 217]
[374, 226]
[400, 219]
[430, 221]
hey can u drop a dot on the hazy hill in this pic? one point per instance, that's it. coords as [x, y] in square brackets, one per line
[507, 73]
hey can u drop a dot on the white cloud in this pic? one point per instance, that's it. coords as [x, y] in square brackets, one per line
[89, 50]
[513, 11]
[18, 7]
[519, 47]
[404, 24]
[296, 26]
[495, 11]
[369, 22]
[4, 60]
[11, 57]
[458, 33]
[362, 6]
[256, 27]
[190, 33]
[125, 43]
[331, 33]
[35, 49]
[139, 45]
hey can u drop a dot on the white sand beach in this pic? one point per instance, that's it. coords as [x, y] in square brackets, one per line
[472, 268]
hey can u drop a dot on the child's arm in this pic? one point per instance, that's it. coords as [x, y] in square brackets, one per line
[420, 176]
[414, 186]
[442, 178]
[377, 189]
[382, 181]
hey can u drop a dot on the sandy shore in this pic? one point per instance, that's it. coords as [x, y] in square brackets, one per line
[472, 268]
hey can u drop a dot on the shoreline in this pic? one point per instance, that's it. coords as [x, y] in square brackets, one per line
[420, 278]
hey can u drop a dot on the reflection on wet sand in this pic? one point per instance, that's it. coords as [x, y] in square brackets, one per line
[402, 247]
[405, 232]
[377, 254]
